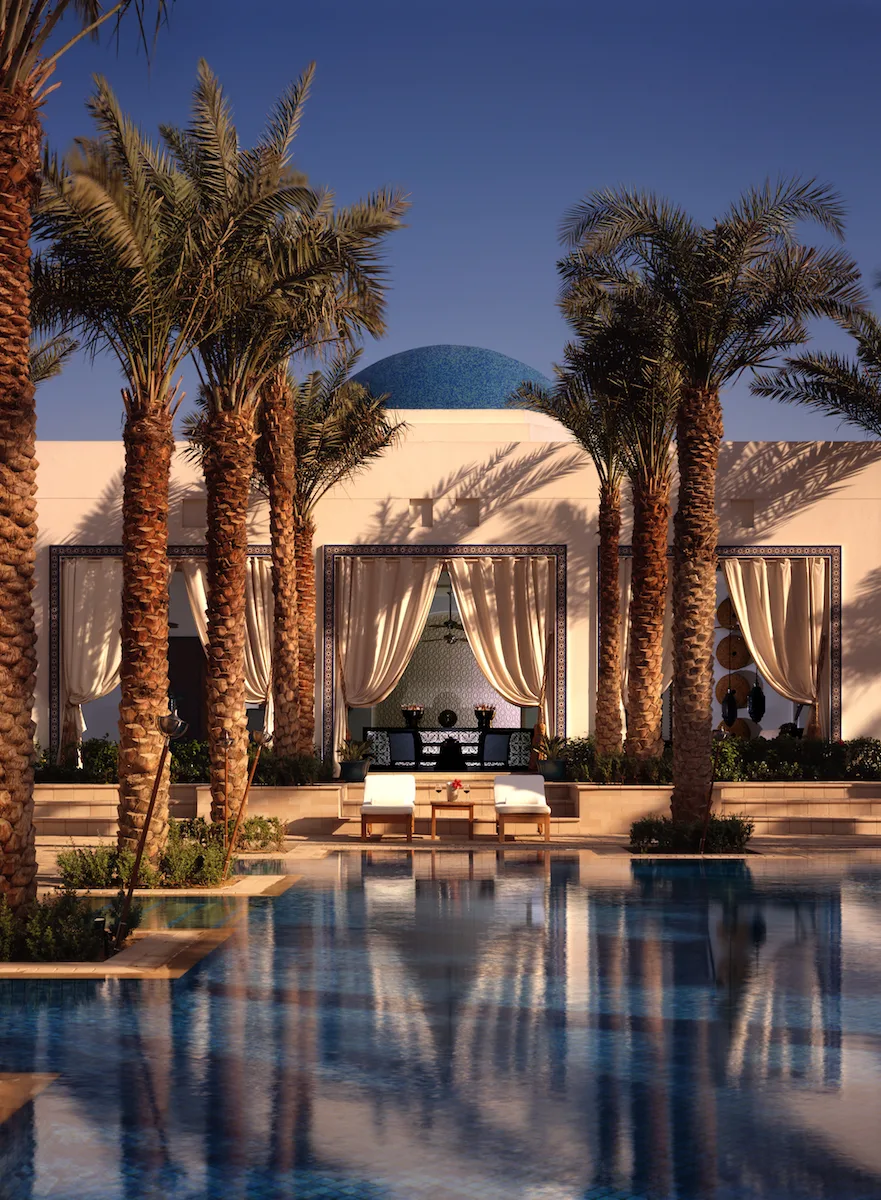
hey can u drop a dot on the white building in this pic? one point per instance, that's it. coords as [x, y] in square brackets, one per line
[474, 477]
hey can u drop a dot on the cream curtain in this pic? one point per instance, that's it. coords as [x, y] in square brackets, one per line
[382, 605]
[782, 605]
[507, 607]
[91, 648]
[625, 575]
[258, 618]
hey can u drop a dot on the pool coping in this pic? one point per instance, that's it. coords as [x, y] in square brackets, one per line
[155, 953]
[246, 885]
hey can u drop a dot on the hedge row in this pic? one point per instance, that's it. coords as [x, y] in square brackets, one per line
[189, 764]
[737, 760]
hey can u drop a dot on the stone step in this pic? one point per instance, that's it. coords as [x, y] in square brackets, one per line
[804, 808]
[819, 826]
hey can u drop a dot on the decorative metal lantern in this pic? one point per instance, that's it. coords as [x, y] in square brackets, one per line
[756, 702]
[729, 707]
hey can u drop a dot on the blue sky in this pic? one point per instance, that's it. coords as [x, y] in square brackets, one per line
[495, 116]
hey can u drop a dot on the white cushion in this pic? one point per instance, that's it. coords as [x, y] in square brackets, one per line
[390, 791]
[524, 808]
[387, 810]
[520, 793]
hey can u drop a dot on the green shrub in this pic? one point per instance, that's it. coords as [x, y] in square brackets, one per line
[63, 928]
[96, 868]
[286, 770]
[579, 755]
[8, 931]
[100, 759]
[662, 835]
[188, 863]
[148, 876]
[261, 833]
[189, 761]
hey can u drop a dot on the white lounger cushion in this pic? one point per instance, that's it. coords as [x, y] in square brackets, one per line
[389, 794]
[520, 794]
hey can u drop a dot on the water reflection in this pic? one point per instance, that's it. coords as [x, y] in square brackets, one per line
[491, 1024]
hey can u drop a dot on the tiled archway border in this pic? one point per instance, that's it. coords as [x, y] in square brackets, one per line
[332, 553]
[833, 554]
[57, 555]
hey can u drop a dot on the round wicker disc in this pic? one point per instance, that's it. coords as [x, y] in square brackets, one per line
[740, 729]
[725, 615]
[732, 652]
[738, 684]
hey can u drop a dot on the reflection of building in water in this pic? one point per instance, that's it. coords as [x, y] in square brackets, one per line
[778, 963]
[520, 1022]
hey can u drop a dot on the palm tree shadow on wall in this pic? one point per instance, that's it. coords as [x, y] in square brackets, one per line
[498, 483]
[783, 479]
[860, 630]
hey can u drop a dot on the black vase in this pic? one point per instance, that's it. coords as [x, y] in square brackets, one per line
[484, 717]
[412, 717]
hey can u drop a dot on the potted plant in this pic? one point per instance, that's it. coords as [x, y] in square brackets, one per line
[354, 759]
[484, 714]
[551, 763]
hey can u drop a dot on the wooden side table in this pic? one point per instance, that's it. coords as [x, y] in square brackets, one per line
[452, 805]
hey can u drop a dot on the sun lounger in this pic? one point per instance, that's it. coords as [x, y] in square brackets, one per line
[520, 800]
[389, 800]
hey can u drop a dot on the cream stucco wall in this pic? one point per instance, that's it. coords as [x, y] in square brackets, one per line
[533, 486]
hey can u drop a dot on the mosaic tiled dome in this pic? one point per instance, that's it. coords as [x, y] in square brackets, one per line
[447, 377]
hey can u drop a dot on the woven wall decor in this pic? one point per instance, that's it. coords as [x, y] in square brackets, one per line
[726, 615]
[739, 684]
[740, 729]
[732, 652]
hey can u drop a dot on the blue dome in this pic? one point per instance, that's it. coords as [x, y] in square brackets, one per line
[447, 377]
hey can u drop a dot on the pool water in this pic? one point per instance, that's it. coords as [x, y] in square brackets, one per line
[488, 1025]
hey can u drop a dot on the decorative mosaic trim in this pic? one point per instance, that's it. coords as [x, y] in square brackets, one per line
[833, 553]
[57, 554]
[333, 552]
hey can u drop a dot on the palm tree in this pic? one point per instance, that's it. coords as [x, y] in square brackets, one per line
[734, 295]
[277, 452]
[27, 61]
[584, 401]
[837, 386]
[339, 428]
[624, 340]
[119, 270]
[295, 275]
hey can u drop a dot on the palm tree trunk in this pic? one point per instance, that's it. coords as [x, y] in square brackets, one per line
[306, 597]
[696, 531]
[229, 463]
[19, 184]
[608, 726]
[149, 444]
[279, 431]
[648, 602]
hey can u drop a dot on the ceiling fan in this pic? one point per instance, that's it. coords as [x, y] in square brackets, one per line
[451, 627]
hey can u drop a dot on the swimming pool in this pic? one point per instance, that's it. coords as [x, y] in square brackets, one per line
[543, 1025]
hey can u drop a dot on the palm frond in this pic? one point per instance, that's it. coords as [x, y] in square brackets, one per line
[47, 357]
[27, 29]
[832, 384]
